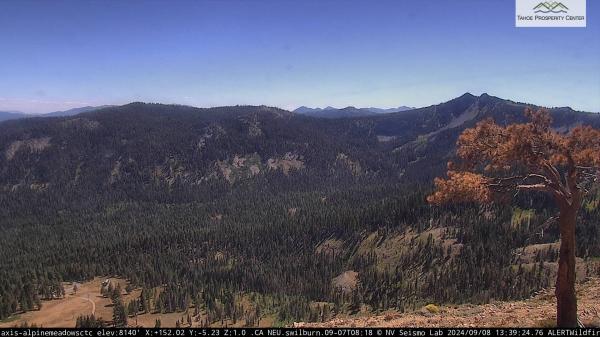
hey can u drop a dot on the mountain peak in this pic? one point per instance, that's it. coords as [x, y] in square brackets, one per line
[467, 97]
[304, 109]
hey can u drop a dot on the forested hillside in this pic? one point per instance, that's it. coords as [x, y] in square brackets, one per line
[240, 212]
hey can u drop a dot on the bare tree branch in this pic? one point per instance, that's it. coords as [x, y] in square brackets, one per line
[534, 187]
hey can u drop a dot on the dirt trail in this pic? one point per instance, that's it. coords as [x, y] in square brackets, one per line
[538, 311]
[91, 301]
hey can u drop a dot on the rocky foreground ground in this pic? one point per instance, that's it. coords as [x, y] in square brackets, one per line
[538, 311]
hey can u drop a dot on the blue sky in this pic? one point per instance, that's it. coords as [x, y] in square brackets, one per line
[62, 54]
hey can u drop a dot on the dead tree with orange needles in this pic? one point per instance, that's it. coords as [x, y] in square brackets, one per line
[496, 161]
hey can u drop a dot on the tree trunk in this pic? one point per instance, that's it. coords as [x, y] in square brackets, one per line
[566, 308]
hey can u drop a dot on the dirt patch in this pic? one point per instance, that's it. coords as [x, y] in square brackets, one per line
[353, 165]
[346, 281]
[528, 254]
[383, 139]
[288, 162]
[39, 186]
[171, 172]
[330, 247]
[292, 211]
[537, 311]
[390, 247]
[34, 145]
[240, 167]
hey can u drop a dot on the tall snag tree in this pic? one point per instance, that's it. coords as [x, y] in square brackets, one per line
[496, 162]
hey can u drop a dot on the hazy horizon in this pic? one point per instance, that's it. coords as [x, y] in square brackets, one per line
[294, 108]
[67, 54]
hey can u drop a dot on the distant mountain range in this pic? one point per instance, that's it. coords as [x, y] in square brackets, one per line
[327, 112]
[350, 111]
[75, 111]
[8, 115]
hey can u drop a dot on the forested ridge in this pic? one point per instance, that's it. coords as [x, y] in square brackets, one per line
[239, 212]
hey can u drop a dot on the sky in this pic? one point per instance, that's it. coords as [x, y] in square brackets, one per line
[56, 55]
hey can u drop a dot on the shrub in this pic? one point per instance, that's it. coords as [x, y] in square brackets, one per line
[432, 308]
